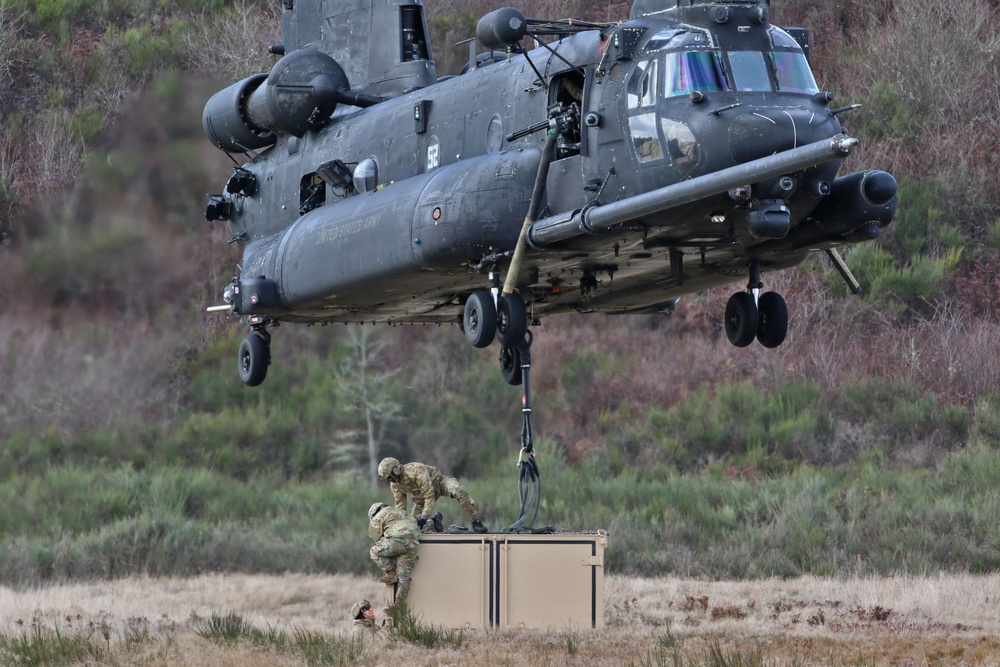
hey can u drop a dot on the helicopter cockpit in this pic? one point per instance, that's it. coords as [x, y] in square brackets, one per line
[693, 62]
[682, 60]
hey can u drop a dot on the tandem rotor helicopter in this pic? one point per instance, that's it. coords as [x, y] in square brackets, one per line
[611, 169]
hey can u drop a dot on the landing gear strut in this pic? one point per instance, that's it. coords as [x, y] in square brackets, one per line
[752, 315]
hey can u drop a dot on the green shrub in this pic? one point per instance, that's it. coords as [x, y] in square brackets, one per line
[225, 629]
[985, 426]
[888, 112]
[42, 646]
[919, 209]
[408, 627]
[993, 234]
[315, 648]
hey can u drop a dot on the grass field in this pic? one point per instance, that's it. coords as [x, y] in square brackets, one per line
[302, 620]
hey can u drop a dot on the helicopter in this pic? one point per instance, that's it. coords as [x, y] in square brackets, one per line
[609, 168]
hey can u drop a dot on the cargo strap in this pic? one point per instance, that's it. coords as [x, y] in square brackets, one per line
[529, 480]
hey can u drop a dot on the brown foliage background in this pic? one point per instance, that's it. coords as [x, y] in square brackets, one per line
[109, 264]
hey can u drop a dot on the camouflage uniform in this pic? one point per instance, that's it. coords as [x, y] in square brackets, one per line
[425, 484]
[365, 629]
[396, 539]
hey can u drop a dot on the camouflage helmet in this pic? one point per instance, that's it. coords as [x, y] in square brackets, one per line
[389, 468]
[374, 509]
[358, 608]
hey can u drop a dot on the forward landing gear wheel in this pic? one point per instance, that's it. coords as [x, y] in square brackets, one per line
[480, 319]
[741, 319]
[254, 357]
[512, 319]
[772, 319]
[510, 365]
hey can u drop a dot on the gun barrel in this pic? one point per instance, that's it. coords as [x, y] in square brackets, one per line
[564, 226]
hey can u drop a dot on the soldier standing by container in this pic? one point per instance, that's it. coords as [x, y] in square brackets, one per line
[425, 484]
[396, 537]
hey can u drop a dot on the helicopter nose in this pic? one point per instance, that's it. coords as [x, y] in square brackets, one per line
[762, 132]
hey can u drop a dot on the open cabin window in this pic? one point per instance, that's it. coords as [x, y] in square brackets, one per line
[312, 193]
[567, 90]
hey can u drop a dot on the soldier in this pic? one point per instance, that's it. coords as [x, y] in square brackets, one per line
[396, 537]
[364, 622]
[425, 484]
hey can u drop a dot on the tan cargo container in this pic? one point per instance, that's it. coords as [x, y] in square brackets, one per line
[509, 580]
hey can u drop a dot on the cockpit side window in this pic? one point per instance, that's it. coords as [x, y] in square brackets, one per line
[791, 66]
[641, 95]
[685, 72]
[642, 86]
[781, 39]
[677, 38]
[793, 74]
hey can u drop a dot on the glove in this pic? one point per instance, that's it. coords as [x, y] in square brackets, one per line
[421, 521]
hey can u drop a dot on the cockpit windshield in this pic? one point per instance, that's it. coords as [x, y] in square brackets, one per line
[692, 61]
[791, 67]
[793, 73]
[685, 72]
[749, 71]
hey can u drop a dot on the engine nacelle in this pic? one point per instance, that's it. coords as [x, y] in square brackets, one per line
[299, 94]
[226, 121]
[502, 28]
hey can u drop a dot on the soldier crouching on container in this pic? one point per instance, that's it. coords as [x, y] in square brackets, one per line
[425, 484]
[396, 537]
[364, 622]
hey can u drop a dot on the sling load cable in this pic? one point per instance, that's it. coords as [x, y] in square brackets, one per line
[529, 481]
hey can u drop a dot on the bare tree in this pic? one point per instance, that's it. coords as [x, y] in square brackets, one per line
[367, 386]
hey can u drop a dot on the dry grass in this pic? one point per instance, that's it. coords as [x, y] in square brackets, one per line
[947, 620]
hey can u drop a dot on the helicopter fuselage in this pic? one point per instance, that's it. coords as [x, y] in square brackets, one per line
[678, 151]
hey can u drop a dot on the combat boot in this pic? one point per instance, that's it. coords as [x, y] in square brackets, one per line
[438, 523]
[402, 591]
[478, 526]
[389, 577]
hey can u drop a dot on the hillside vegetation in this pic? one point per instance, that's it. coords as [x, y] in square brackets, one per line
[867, 443]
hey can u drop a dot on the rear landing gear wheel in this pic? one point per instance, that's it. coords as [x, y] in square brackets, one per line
[741, 319]
[512, 319]
[772, 320]
[254, 358]
[510, 365]
[480, 319]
